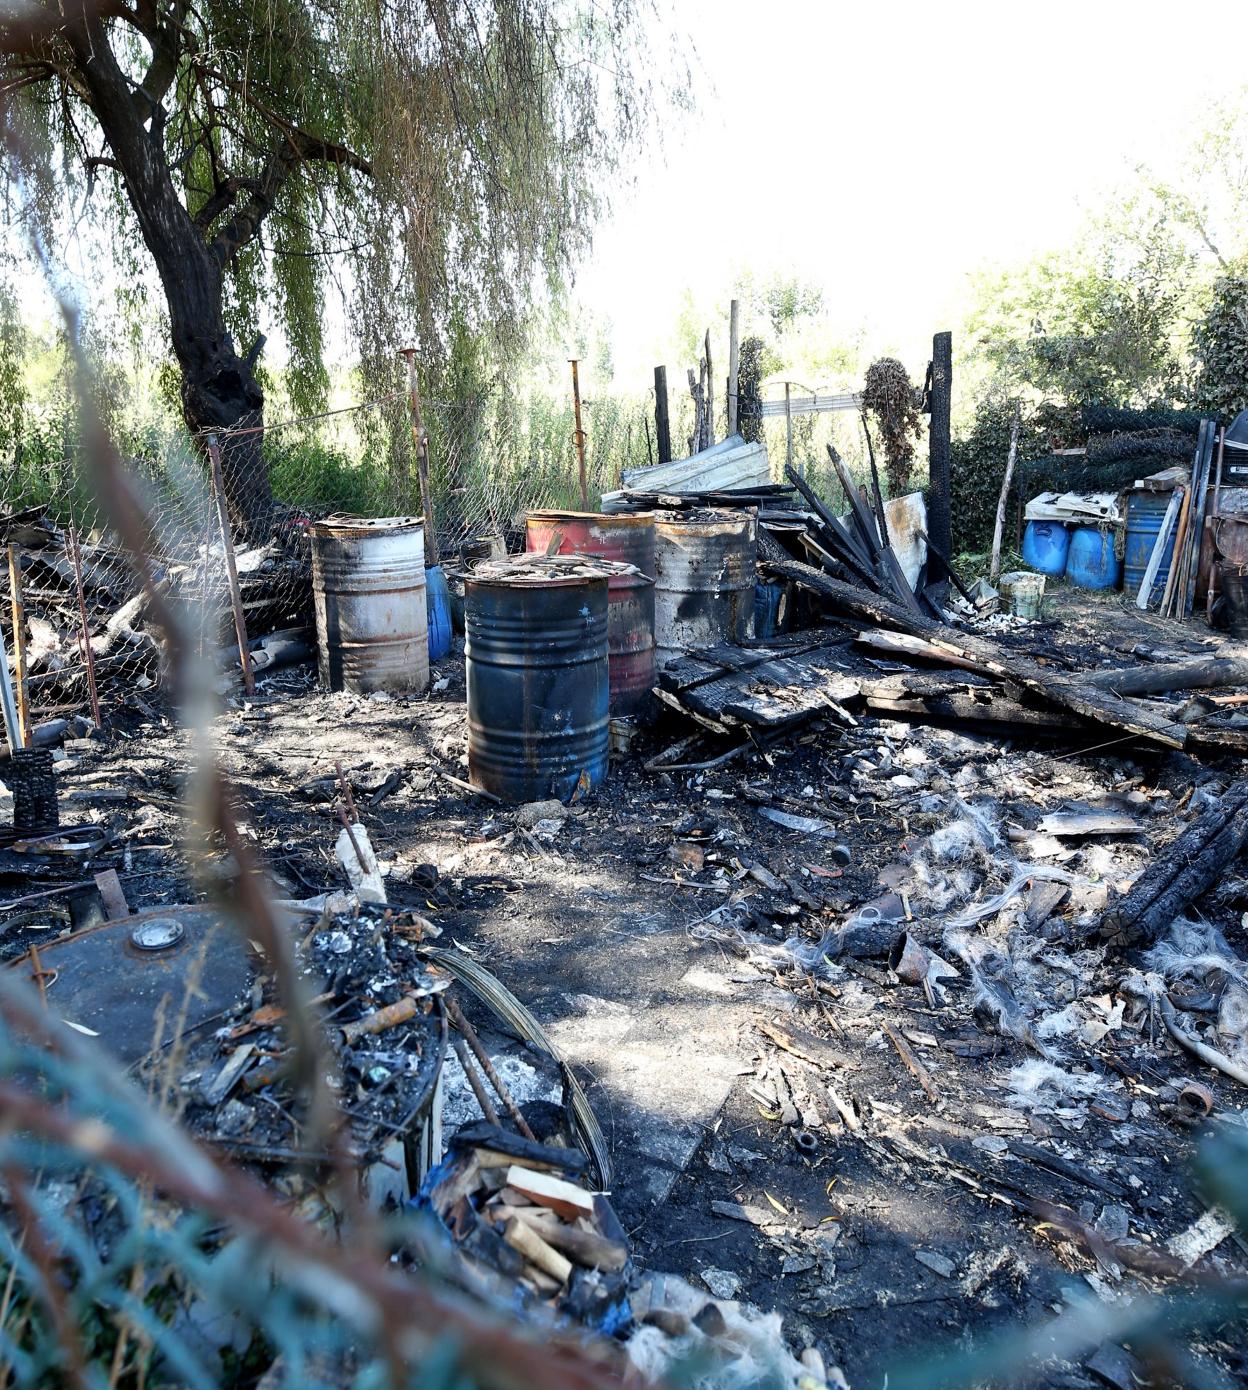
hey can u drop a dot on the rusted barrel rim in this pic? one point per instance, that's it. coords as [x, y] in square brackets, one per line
[621, 519]
[523, 578]
[351, 526]
[538, 581]
[727, 522]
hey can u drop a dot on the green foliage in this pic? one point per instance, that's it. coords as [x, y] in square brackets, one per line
[977, 470]
[453, 152]
[1093, 324]
[1220, 348]
[322, 478]
[782, 300]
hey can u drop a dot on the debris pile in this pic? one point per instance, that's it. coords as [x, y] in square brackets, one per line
[518, 1208]
[85, 635]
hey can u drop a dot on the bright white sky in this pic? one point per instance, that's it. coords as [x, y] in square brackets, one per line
[885, 151]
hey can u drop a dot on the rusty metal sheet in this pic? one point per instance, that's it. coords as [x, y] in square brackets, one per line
[705, 566]
[907, 524]
[112, 978]
[627, 538]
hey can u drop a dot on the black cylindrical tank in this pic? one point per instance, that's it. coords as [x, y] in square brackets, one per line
[538, 679]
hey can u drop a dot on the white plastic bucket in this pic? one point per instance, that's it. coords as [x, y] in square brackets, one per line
[1024, 592]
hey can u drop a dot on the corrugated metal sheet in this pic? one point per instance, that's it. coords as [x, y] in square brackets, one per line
[813, 405]
[730, 464]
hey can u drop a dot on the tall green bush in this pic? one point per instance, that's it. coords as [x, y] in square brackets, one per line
[1220, 348]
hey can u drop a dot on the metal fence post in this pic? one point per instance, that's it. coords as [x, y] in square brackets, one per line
[420, 439]
[580, 434]
[18, 608]
[734, 363]
[231, 566]
[88, 656]
[788, 428]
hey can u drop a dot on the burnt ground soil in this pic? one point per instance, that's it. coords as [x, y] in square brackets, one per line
[647, 932]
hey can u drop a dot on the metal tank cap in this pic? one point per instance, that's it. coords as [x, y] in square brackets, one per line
[157, 934]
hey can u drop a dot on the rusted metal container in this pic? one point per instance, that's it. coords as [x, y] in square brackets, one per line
[705, 563]
[629, 541]
[112, 977]
[537, 672]
[368, 589]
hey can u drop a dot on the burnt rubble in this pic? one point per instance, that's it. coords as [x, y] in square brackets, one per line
[885, 985]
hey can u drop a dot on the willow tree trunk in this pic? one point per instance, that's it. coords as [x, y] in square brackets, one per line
[219, 388]
[220, 394]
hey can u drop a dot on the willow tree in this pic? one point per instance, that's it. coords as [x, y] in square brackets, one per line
[423, 156]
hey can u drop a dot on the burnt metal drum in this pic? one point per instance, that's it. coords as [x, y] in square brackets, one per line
[111, 978]
[705, 564]
[627, 539]
[368, 589]
[538, 681]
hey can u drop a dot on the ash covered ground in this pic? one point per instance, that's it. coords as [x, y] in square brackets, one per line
[791, 1123]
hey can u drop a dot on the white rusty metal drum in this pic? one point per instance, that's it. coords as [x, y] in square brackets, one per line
[704, 564]
[368, 589]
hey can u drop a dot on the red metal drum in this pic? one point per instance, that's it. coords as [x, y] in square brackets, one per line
[627, 539]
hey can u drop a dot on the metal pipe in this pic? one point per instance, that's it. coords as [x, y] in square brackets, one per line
[1217, 513]
[788, 428]
[580, 433]
[18, 609]
[12, 729]
[734, 363]
[478, 1087]
[479, 1052]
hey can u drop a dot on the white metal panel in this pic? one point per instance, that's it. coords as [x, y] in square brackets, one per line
[813, 405]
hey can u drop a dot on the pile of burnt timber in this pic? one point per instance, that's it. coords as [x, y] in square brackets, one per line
[78, 627]
[1190, 866]
[764, 690]
[858, 551]
[521, 1211]
[83, 635]
[957, 676]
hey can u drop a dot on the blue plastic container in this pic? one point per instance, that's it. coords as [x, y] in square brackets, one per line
[767, 608]
[438, 598]
[1145, 513]
[1092, 563]
[1046, 544]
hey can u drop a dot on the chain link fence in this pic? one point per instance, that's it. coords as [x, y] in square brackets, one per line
[491, 459]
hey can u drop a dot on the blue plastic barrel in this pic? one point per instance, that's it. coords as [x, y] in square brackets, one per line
[1046, 545]
[1092, 563]
[1145, 512]
[767, 598]
[438, 597]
